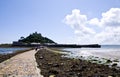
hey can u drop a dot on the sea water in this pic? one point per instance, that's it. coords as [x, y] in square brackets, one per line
[106, 52]
[10, 50]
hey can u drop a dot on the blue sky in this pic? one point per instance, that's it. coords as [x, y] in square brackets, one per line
[49, 17]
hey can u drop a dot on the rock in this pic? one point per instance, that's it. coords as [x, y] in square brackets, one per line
[108, 61]
[53, 72]
[52, 76]
[79, 74]
[49, 63]
[73, 66]
[40, 64]
[98, 75]
[114, 65]
[62, 64]
[41, 57]
[55, 65]
[84, 67]
[116, 60]
[71, 73]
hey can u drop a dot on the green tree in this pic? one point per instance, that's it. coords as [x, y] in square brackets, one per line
[35, 37]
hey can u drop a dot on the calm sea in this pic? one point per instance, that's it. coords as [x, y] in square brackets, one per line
[110, 46]
[111, 52]
[10, 50]
[106, 51]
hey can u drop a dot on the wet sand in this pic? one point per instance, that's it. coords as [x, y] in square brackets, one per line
[53, 65]
[21, 65]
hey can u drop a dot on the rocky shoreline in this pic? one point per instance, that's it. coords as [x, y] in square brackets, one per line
[53, 65]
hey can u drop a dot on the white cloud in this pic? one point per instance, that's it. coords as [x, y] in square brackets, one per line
[111, 17]
[78, 22]
[109, 36]
[109, 26]
[94, 21]
[75, 19]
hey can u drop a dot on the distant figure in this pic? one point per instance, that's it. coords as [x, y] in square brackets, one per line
[36, 48]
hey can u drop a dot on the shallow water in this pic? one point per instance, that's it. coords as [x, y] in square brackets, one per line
[111, 52]
[10, 50]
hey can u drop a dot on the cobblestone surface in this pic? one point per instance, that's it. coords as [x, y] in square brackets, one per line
[22, 65]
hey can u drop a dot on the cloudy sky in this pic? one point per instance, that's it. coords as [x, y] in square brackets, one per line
[64, 21]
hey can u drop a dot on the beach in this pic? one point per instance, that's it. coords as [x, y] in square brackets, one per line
[52, 64]
[99, 55]
[21, 65]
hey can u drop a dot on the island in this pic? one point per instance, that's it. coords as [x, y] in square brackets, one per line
[36, 39]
